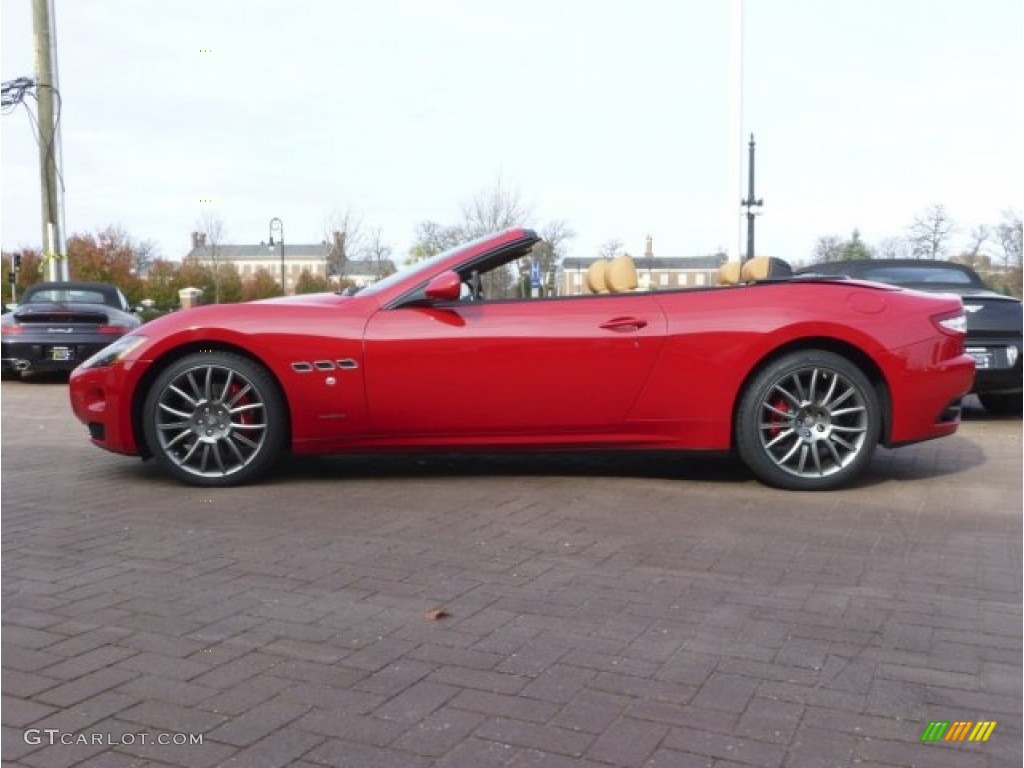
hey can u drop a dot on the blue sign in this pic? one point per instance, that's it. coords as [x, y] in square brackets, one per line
[535, 274]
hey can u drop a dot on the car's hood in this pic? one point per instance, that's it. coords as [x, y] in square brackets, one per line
[307, 299]
[242, 315]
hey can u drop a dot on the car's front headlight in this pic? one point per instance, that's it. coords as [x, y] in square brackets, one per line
[113, 353]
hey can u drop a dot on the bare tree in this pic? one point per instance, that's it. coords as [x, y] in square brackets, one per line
[930, 233]
[493, 210]
[211, 225]
[379, 253]
[892, 248]
[345, 234]
[610, 248]
[1009, 235]
[828, 248]
[551, 250]
[433, 238]
[977, 238]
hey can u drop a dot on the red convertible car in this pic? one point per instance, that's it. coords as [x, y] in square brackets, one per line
[801, 377]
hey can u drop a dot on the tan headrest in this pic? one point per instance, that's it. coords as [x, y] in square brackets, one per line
[729, 274]
[596, 276]
[620, 275]
[765, 268]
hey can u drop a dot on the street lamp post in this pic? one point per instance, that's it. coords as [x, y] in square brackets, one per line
[276, 225]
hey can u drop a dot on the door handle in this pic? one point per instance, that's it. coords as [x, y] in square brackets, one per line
[624, 324]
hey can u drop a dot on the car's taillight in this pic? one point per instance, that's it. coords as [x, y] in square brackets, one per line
[953, 323]
[122, 329]
[7, 329]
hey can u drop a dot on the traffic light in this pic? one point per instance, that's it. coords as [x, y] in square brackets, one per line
[17, 262]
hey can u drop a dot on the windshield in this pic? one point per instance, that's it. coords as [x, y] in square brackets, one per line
[66, 296]
[425, 266]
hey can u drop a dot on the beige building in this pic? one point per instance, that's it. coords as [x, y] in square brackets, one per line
[654, 273]
[319, 259]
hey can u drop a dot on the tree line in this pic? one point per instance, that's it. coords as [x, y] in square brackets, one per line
[114, 256]
[993, 250]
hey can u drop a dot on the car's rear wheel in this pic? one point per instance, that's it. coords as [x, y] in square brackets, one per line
[809, 421]
[215, 419]
[1003, 404]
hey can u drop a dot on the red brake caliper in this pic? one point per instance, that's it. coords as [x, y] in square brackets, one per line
[778, 423]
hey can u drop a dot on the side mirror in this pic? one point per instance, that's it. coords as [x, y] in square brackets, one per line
[445, 287]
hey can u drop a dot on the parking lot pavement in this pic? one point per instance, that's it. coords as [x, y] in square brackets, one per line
[644, 610]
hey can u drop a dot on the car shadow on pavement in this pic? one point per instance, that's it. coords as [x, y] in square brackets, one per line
[973, 410]
[910, 463]
[634, 464]
[42, 378]
[938, 458]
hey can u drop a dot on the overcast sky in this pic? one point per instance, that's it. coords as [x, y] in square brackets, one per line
[613, 116]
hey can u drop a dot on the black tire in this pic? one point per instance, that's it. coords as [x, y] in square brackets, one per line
[809, 421]
[1003, 404]
[215, 419]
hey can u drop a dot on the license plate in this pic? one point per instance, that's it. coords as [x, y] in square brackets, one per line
[62, 353]
[982, 358]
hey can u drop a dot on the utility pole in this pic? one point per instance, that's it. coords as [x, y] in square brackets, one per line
[276, 225]
[54, 250]
[735, 128]
[751, 202]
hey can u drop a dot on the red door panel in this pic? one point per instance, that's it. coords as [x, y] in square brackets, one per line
[510, 367]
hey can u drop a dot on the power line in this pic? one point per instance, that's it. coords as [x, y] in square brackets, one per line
[13, 92]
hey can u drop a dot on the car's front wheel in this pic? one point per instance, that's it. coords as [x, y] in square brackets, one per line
[215, 419]
[809, 421]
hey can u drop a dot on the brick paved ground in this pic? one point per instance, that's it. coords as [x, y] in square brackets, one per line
[603, 611]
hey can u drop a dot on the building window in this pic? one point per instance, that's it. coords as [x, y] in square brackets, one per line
[701, 278]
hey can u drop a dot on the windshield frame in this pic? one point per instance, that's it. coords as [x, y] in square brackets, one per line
[425, 265]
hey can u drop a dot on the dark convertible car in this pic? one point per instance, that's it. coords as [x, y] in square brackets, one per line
[58, 325]
[993, 321]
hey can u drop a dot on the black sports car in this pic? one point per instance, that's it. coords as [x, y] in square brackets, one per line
[57, 325]
[994, 321]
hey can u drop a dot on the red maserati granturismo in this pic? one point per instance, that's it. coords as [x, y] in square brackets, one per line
[801, 377]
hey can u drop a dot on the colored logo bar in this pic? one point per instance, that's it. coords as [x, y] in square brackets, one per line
[958, 730]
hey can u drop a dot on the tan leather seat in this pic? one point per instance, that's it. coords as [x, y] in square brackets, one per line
[620, 275]
[729, 274]
[596, 280]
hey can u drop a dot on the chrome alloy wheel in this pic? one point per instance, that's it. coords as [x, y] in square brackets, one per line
[813, 422]
[211, 421]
